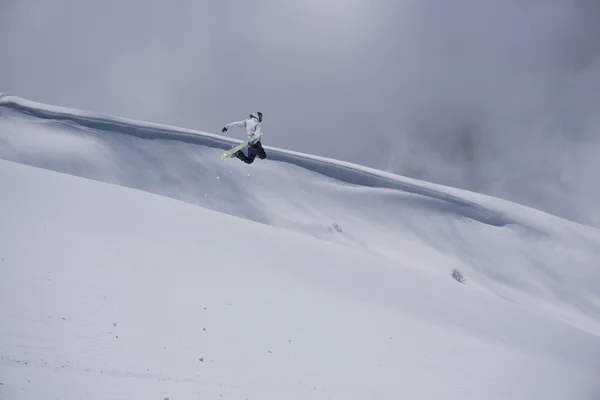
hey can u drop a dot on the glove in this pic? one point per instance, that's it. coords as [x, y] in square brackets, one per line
[224, 129]
[251, 142]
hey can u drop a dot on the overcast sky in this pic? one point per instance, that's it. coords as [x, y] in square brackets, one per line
[496, 96]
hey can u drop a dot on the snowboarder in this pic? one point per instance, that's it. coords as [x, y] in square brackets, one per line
[252, 125]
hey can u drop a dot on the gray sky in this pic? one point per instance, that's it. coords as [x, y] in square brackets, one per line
[496, 96]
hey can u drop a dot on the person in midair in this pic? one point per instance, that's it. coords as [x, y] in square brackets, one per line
[253, 125]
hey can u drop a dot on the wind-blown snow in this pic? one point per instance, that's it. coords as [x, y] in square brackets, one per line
[351, 299]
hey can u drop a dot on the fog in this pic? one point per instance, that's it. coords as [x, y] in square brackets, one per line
[497, 96]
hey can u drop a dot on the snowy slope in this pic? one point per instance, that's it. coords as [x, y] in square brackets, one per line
[108, 292]
[544, 263]
[345, 277]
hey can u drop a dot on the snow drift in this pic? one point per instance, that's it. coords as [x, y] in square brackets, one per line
[517, 252]
[357, 276]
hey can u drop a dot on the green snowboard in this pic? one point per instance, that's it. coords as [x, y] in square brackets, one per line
[241, 145]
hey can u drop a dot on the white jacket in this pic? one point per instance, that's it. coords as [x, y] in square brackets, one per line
[251, 124]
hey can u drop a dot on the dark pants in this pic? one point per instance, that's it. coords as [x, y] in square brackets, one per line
[254, 150]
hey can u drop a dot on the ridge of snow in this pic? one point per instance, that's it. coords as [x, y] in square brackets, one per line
[341, 170]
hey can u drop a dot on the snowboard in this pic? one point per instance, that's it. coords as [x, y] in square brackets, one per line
[241, 145]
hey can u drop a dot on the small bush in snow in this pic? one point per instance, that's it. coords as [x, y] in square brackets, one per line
[456, 274]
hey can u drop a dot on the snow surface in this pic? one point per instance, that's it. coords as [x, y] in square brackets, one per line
[314, 279]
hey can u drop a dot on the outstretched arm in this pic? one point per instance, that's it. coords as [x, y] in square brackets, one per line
[233, 125]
